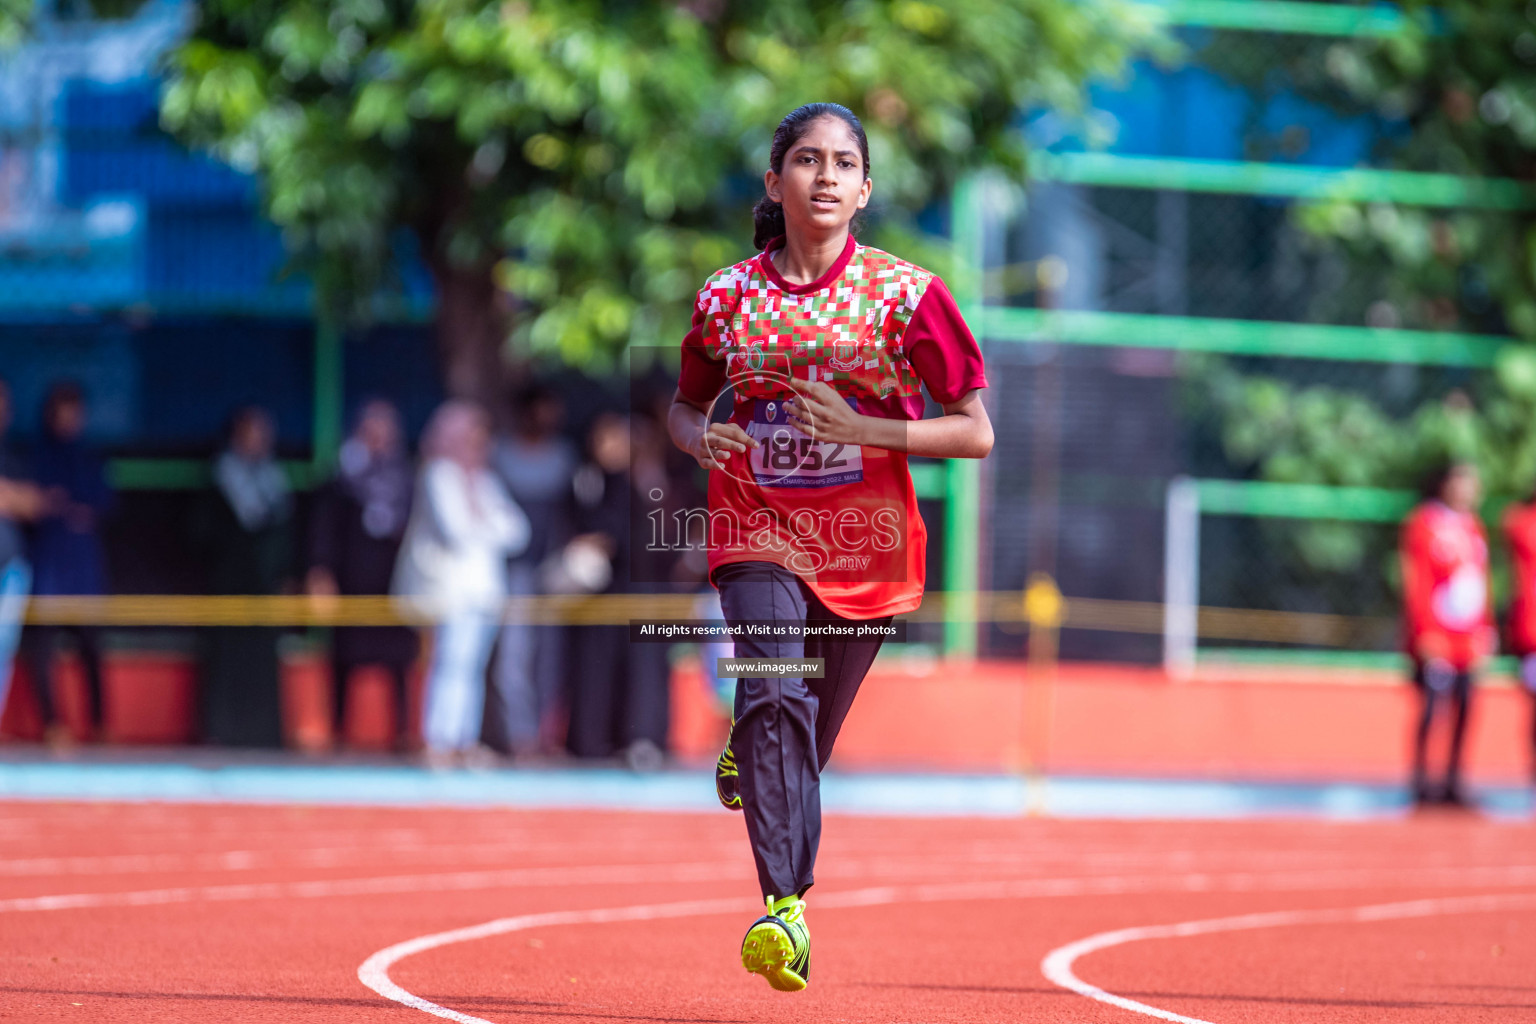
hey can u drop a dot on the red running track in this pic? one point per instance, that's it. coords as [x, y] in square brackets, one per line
[112, 912]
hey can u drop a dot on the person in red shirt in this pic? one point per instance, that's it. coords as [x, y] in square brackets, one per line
[800, 391]
[1520, 533]
[1448, 616]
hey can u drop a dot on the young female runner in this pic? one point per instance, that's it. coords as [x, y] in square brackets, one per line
[1520, 536]
[815, 538]
[1448, 615]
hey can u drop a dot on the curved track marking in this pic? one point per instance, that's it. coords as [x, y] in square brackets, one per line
[1058, 963]
[374, 971]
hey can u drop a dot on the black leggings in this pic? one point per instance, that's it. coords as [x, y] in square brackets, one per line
[40, 643]
[1458, 696]
[1528, 682]
[785, 728]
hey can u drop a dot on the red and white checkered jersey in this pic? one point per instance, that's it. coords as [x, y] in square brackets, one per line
[876, 328]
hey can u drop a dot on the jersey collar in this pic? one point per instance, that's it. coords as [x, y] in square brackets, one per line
[833, 272]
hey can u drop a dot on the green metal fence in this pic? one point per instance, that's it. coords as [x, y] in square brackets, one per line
[1266, 545]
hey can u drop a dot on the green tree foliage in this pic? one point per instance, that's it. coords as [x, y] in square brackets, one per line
[15, 17]
[570, 170]
[1456, 94]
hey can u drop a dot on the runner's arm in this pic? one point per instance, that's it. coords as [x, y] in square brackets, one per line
[963, 432]
[711, 444]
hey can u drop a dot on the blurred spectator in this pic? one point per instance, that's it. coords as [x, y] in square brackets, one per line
[619, 696]
[1520, 533]
[356, 527]
[245, 531]
[537, 464]
[67, 555]
[686, 502]
[20, 502]
[453, 566]
[1447, 614]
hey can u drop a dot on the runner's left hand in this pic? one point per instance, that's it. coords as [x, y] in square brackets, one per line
[822, 414]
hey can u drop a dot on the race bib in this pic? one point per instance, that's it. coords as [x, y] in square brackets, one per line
[788, 458]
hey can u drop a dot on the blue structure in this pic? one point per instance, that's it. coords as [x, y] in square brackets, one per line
[145, 271]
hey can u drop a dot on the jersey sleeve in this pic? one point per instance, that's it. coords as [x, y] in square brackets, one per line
[1418, 579]
[703, 372]
[940, 347]
[1520, 534]
[1490, 622]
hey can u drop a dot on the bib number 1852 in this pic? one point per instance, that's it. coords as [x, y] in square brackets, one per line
[788, 458]
[785, 455]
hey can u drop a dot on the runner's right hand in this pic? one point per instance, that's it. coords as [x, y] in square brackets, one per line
[719, 442]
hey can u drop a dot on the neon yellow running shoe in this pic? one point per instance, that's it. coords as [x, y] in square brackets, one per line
[727, 780]
[778, 945]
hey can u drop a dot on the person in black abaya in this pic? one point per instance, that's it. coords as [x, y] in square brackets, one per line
[355, 530]
[620, 703]
[244, 530]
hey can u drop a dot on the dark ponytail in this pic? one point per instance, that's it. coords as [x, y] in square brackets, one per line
[1433, 483]
[767, 222]
[767, 215]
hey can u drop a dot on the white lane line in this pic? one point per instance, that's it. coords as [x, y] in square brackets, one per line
[323, 857]
[461, 881]
[374, 972]
[460, 855]
[240, 860]
[649, 874]
[1058, 965]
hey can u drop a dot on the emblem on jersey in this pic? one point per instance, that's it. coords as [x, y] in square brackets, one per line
[845, 356]
[755, 358]
[887, 386]
[772, 411]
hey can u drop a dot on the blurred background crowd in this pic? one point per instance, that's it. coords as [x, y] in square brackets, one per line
[481, 508]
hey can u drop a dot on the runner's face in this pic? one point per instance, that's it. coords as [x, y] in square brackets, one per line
[1463, 488]
[822, 184]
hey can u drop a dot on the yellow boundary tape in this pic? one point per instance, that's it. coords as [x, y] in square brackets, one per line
[619, 609]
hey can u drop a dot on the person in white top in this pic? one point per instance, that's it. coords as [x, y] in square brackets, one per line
[463, 528]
